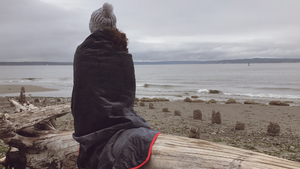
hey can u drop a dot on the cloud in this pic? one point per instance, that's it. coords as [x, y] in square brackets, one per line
[35, 31]
[50, 30]
[204, 51]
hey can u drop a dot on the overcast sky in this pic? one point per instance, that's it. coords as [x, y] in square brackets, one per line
[158, 30]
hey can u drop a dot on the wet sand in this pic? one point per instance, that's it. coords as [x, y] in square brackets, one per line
[5, 89]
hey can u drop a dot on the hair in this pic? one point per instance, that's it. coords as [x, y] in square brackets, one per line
[119, 39]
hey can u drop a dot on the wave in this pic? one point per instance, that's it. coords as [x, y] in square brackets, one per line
[264, 95]
[155, 85]
[31, 78]
[204, 92]
[209, 91]
[294, 88]
[45, 82]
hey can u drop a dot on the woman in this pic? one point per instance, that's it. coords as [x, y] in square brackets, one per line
[111, 134]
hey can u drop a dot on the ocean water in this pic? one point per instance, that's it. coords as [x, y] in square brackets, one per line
[257, 82]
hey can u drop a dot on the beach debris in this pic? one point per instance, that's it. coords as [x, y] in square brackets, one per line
[197, 114]
[161, 99]
[46, 125]
[22, 98]
[187, 99]
[230, 101]
[36, 100]
[194, 97]
[278, 103]
[136, 101]
[151, 106]
[142, 104]
[165, 110]
[146, 99]
[19, 107]
[177, 113]
[214, 91]
[25, 132]
[212, 101]
[250, 102]
[273, 129]
[45, 102]
[216, 117]
[198, 101]
[58, 100]
[4, 116]
[23, 89]
[239, 126]
[194, 133]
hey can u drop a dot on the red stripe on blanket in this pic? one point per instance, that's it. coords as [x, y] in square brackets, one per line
[149, 153]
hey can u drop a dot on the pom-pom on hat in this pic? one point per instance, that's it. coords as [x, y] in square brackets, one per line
[103, 18]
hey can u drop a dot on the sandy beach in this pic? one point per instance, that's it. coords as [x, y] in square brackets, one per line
[256, 118]
[4, 89]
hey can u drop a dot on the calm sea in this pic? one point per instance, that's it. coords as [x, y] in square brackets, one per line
[258, 82]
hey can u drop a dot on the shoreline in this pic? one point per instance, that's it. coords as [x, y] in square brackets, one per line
[12, 89]
[37, 90]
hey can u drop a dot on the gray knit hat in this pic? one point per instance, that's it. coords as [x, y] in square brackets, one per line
[103, 18]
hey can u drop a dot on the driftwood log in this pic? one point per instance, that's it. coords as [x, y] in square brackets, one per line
[44, 147]
[52, 149]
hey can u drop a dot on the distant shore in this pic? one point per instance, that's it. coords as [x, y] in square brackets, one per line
[233, 61]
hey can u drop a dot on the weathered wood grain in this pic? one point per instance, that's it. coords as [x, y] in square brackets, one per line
[29, 118]
[174, 152]
[42, 148]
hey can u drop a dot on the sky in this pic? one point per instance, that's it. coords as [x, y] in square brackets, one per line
[158, 30]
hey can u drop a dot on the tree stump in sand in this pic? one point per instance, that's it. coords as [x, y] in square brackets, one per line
[52, 149]
[22, 98]
[151, 106]
[239, 126]
[216, 117]
[177, 113]
[194, 133]
[142, 104]
[197, 114]
[273, 129]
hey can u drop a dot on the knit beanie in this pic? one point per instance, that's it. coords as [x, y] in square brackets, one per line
[103, 18]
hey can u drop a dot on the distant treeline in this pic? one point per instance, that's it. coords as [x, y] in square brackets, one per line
[246, 61]
[255, 60]
[34, 63]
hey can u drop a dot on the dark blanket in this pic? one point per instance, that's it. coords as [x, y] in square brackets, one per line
[111, 134]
